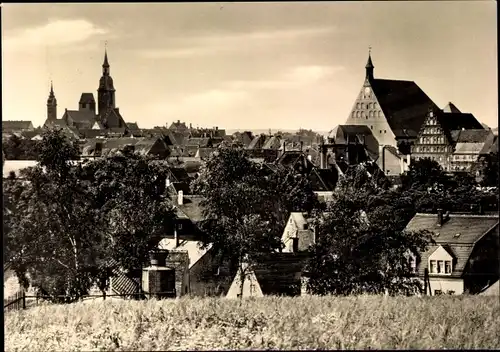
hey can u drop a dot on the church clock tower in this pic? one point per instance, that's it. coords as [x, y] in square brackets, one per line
[106, 90]
[51, 105]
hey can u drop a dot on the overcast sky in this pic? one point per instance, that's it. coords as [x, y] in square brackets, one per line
[246, 65]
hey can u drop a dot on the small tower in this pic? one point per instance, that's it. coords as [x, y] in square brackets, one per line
[369, 66]
[51, 105]
[106, 90]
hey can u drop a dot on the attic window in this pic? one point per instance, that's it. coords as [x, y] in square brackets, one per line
[440, 267]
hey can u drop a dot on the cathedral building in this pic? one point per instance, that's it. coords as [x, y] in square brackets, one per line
[105, 118]
[394, 110]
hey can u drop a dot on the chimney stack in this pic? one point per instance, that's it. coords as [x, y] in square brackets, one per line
[180, 198]
[176, 237]
[440, 217]
[301, 145]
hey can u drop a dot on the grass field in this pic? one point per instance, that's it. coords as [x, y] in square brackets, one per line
[459, 322]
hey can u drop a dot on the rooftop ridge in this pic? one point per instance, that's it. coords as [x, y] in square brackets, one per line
[493, 216]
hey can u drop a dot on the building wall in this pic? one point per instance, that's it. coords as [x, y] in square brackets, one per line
[446, 284]
[289, 232]
[389, 163]
[432, 143]
[367, 111]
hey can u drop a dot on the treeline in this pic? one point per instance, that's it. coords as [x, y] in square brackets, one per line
[69, 224]
[17, 148]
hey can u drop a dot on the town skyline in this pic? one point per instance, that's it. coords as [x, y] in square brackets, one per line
[300, 66]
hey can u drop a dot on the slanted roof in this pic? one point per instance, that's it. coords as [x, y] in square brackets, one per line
[254, 144]
[199, 142]
[272, 143]
[191, 208]
[178, 125]
[16, 125]
[179, 174]
[458, 121]
[280, 273]
[492, 290]
[404, 104]
[132, 126]
[451, 108]
[361, 134]
[87, 98]
[471, 136]
[470, 227]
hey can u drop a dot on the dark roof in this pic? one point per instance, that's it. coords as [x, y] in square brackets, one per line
[458, 121]
[356, 133]
[178, 125]
[87, 98]
[16, 125]
[200, 142]
[471, 136]
[470, 227]
[323, 179]
[451, 108]
[257, 142]
[121, 282]
[191, 208]
[272, 143]
[280, 273]
[85, 116]
[179, 174]
[132, 126]
[404, 104]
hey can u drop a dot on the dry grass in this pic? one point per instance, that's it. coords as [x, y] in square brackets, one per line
[460, 322]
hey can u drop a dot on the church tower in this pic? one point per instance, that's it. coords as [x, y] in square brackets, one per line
[106, 90]
[369, 68]
[51, 105]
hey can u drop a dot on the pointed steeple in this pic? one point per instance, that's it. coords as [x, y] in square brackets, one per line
[369, 66]
[105, 64]
[51, 104]
[106, 90]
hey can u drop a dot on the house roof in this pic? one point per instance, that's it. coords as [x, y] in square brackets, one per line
[279, 273]
[404, 104]
[451, 108]
[16, 125]
[86, 116]
[55, 123]
[178, 125]
[356, 133]
[121, 283]
[133, 126]
[191, 208]
[492, 290]
[471, 136]
[204, 152]
[196, 141]
[87, 98]
[470, 227]
[460, 254]
[179, 174]
[272, 143]
[255, 142]
[458, 121]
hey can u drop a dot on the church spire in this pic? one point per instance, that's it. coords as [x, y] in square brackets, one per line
[105, 65]
[51, 104]
[106, 90]
[369, 65]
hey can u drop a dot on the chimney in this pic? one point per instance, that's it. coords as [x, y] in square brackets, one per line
[301, 145]
[180, 198]
[176, 237]
[440, 217]
[190, 126]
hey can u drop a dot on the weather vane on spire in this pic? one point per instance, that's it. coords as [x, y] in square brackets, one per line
[369, 49]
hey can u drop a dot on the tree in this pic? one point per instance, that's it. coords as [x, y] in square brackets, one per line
[17, 148]
[69, 220]
[53, 225]
[361, 246]
[246, 206]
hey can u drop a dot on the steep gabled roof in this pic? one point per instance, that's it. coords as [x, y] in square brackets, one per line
[458, 121]
[451, 108]
[87, 98]
[404, 104]
[361, 134]
[471, 136]
[132, 126]
[272, 143]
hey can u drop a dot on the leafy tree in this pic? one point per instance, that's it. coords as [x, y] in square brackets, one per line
[69, 220]
[246, 207]
[361, 246]
[53, 225]
[17, 148]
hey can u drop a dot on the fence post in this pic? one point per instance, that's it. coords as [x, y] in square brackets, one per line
[24, 299]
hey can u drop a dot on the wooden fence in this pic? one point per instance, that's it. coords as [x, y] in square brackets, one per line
[22, 301]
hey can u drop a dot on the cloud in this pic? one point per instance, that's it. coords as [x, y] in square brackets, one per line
[54, 33]
[310, 74]
[296, 77]
[215, 44]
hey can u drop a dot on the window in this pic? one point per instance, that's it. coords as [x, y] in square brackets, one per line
[447, 267]
[440, 265]
[379, 113]
[385, 131]
[380, 131]
[432, 268]
[374, 105]
[451, 292]
[371, 127]
[357, 106]
[438, 292]
[179, 226]
[362, 114]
